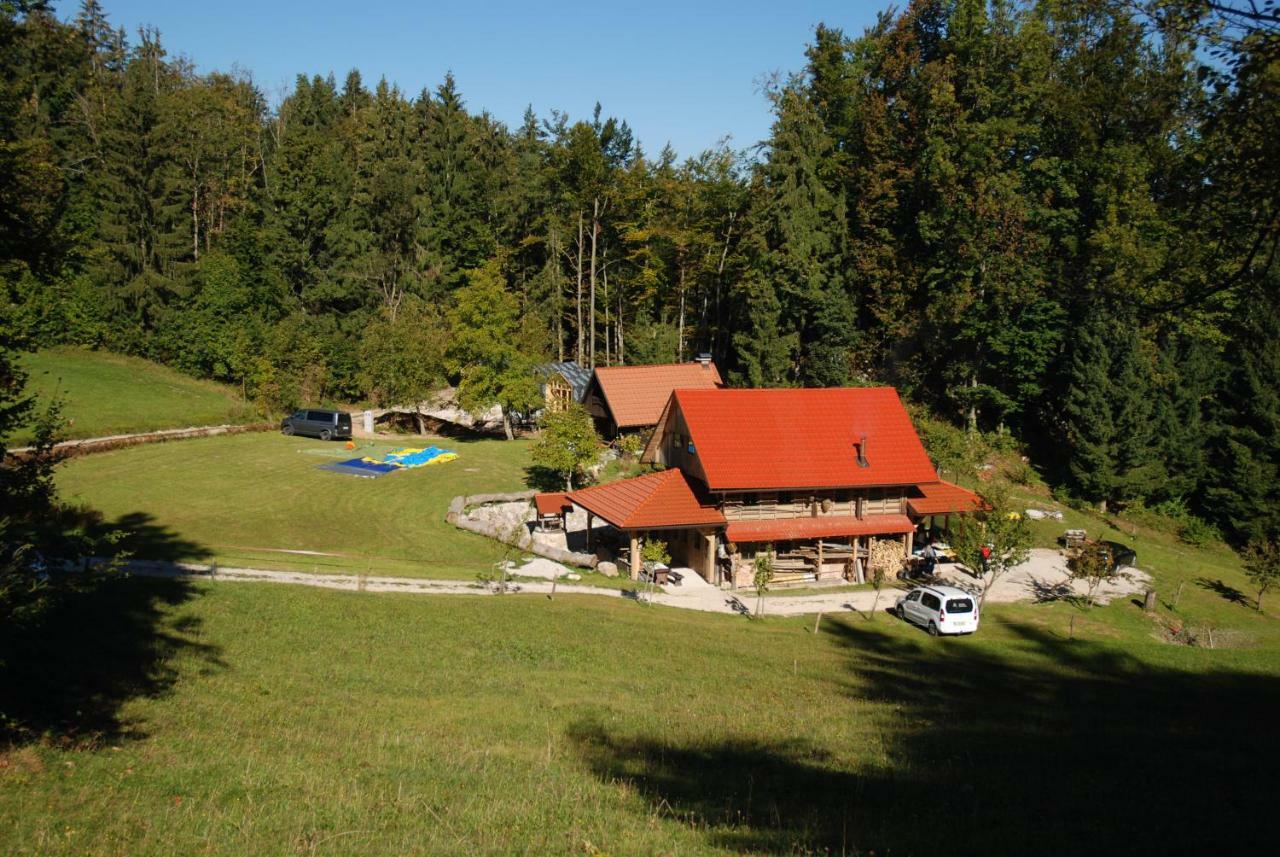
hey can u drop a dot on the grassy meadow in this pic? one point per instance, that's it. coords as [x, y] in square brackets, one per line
[240, 718]
[243, 499]
[259, 719]
[107, 394]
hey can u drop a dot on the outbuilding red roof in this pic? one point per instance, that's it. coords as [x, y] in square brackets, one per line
[803, 438]
[552, 503]
[938, 498]
[830, 526]
[657, 500]
[636, 395]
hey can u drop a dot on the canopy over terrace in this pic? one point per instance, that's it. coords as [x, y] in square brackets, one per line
[658, 501]
[931, 499]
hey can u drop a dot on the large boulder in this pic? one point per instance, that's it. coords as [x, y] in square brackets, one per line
[608, 569]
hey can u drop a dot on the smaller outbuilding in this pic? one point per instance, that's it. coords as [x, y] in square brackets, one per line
[625, 399]
[563, 383]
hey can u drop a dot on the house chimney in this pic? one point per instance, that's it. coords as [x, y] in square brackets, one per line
[705, 359]
[862, 451]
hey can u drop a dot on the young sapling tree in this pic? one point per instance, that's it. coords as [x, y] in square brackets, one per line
[1262, 566]
[764, 571]
[998, 524]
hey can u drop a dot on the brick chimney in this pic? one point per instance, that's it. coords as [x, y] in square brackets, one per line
[862, 451]
[704, 359]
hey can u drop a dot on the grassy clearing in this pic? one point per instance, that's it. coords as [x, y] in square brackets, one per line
[240, 500]
[249, 718]
[109, 394]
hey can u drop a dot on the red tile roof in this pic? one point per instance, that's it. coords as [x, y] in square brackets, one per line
[938, 498]
[551, 504]
[665, 499]
[787, 529]
[803, 438]
[637, 394]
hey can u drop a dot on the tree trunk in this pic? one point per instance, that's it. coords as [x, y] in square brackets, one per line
[506, 425]
[556, 294]
[578, 272]
[604, 284]
[417, 418]
[195, 223]
[591, 310]
[622, 359]
[680, 333]
[972, 421]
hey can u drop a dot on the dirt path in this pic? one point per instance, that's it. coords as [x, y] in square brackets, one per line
[1042, 577]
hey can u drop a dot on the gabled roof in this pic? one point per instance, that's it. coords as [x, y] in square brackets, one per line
[666, 499]
[636, 395]
[938, 498]
[552, 503]
[795, 439]
[577, 375]
[826, 527]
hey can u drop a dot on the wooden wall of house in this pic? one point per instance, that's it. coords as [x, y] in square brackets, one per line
[739, 506]
[674, 447]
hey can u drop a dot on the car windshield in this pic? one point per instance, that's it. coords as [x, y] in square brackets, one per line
[959, 605]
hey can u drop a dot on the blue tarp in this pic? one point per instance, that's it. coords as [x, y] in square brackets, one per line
[359, 467]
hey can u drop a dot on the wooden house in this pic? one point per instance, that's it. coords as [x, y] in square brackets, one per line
[814, 473]
[563, 384]
[631, 398]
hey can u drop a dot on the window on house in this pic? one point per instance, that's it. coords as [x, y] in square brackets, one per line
[784, 498]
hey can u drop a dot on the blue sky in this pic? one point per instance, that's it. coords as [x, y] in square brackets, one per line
[688, 73]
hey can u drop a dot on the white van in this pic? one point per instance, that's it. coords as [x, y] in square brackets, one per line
[941, 609]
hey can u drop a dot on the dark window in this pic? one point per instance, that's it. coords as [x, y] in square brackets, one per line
[784, 498]
[300, 415]
[321, 417]
[930, 601]
[959, 605]
[750, 500]
[915, 596]
[344, 420]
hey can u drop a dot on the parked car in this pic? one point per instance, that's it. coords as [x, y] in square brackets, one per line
[325, 425]
[1121, 555]
[940, 609]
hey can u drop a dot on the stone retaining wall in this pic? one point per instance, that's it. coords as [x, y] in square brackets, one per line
[459, 517]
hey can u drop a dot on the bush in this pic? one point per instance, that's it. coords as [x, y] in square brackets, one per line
[1022, 473]
[630, 445]
[1198, 532]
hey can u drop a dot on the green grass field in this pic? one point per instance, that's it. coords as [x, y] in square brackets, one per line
[109, 394]
[240, 718]
[242, 499]
[259, 719]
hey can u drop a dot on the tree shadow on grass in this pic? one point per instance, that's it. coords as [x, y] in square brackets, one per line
[1225, 590]
[96, 641]
[1046, 746]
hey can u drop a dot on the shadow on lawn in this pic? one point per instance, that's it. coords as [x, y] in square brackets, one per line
[95, 642]
[1065, 747]
[1224, 590]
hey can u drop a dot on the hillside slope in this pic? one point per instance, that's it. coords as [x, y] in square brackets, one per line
[106, 393]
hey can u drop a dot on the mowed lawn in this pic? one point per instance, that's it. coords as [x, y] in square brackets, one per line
[244, 499]
[107, 394]
[233, 719]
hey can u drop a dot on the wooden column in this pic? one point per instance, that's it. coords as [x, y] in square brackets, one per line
[817, 572]
[590, 518]
[857, 561]
[711, 556]
[635, 556]
[910, 541]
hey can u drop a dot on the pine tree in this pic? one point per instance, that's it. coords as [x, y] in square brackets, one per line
[1244, 491]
